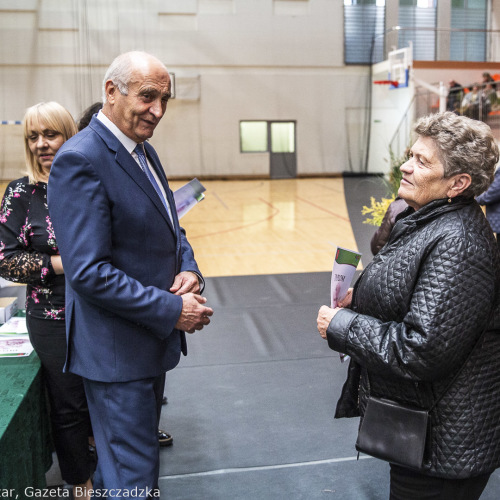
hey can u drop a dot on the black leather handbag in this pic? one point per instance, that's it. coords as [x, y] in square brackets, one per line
[394, 432]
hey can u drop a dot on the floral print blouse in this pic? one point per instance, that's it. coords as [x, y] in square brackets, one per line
[27, 242]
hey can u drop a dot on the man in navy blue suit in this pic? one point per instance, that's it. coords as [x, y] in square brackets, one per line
[133, 285]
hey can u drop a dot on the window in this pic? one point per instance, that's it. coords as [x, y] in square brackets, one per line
[418, 14]
[253, 137]
[282, 137]
[467, 45]
[364, 22]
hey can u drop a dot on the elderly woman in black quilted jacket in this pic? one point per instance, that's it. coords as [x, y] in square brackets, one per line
[416, 316]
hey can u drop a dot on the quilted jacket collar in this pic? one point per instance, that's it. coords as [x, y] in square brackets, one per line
[410, 219]
[434, 209]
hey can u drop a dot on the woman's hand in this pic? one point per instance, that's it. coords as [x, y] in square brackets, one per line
[346, 301]
[56, 262]
[325, 316]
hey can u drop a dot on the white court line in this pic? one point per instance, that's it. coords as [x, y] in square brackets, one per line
[264, 467]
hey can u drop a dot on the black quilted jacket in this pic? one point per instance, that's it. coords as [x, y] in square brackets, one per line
[417, 312]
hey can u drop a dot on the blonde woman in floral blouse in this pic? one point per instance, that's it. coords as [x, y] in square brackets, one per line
[29, 254]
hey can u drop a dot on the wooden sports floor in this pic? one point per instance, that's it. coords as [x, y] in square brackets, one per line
[249, 227]
[253, 227]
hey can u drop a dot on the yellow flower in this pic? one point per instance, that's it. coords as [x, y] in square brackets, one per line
[377, 210]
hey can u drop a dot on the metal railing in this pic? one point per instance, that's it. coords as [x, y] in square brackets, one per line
[440, 44]
[432, 44]
[485, 107]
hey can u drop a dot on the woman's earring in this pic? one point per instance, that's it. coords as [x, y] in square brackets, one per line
[449, 200]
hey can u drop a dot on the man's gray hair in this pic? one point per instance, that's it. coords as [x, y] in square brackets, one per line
[120, 71]
[465, 146]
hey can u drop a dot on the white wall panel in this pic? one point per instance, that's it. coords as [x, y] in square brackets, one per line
[58, 18]
[216, 7]
[56, 47]
[178, 22]
[227, 98]
[234, 60]
[291, 7]
[103, 16]
[15, 5]
[17, 21]
[177, 139]
[178, 6]
[244, 7]
[17, 46]
[12, 157]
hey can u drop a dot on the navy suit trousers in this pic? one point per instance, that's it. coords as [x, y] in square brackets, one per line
[125, 423]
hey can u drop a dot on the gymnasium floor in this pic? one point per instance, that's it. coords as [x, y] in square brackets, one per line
[269, 227]
[251, 407]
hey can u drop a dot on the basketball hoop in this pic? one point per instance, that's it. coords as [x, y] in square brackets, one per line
[386, 82]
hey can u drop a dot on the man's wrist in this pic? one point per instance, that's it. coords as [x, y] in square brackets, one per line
[201, 281]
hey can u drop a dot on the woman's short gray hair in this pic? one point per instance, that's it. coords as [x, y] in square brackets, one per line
[465, 146]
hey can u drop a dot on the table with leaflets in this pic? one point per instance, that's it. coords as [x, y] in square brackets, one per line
[25, 440]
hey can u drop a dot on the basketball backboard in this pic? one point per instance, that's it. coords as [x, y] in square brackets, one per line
[400, 63]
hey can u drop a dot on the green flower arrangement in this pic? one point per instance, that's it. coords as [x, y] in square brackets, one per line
[377, 209]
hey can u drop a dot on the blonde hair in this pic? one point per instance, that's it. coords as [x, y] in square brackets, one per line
[41, 116]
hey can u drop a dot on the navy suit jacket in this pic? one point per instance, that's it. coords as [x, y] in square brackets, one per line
[120, 254]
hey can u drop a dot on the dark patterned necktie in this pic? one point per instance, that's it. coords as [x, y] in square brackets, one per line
[139, 151]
